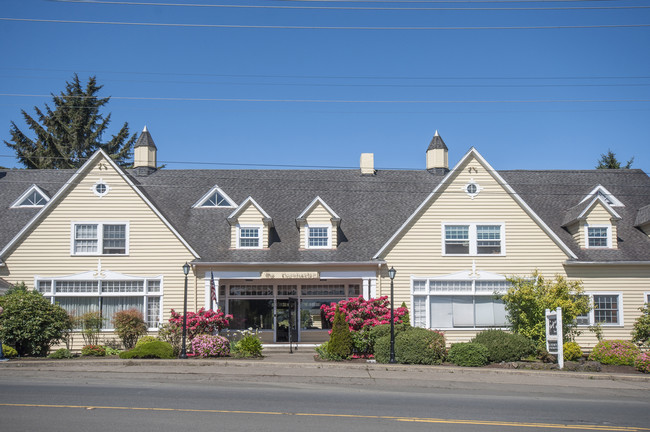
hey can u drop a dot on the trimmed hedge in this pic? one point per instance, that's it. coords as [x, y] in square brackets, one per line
[468, 354]
[414, 345]
[504, 347]
[154, 349]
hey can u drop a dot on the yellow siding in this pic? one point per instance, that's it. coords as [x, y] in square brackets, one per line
[319, 215]
[153, 249]
[419, 251]
[250, 216]
[599, 216]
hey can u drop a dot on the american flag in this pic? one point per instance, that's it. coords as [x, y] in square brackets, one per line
[213, 291]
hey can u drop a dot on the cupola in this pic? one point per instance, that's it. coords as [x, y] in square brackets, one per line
[144, 154]
[437, 157]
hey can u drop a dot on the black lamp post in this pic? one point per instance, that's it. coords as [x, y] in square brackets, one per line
[391, 275]
[186, 270]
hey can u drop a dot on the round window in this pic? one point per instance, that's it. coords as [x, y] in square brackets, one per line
[471, 188]
[101, 188]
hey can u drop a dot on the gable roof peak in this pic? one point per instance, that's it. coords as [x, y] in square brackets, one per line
[437, 142]
[145, 139]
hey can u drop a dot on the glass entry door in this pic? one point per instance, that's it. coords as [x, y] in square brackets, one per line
[286, 316]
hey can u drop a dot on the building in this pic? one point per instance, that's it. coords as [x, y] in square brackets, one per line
[277, 244]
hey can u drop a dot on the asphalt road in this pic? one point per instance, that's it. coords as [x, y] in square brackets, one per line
[268, 399]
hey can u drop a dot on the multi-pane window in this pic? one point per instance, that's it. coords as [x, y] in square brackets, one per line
[249, 237]
[450, 304]
[107, 297]
[318, 237]
[606, 309]
[34, 199]
[598, 237]
[216, 200]
[91, 238]
[473, 239]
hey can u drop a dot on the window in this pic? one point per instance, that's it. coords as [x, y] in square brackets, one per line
[318, 237]
[215, 198]
[33, 197]
[598, 237]
[249, 237]
[473, 239]
[458, 304]
[606, 310]
[106, 296]
[86, 239]
[101, 188]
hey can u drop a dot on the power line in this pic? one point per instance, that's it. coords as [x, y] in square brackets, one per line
[289, 27]
[355, 8]
[343, 101]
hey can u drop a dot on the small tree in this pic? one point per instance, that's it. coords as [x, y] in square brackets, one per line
[340, 343]
[31, 323]
[609, 161]
[641, 332]
[527, 299]
[129, 326]
[91, 325]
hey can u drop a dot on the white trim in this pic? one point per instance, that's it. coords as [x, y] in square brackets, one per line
[473, 240]
[437, 191]
[604, 191]
[29, 191]
[98, 183]
[243, 205]
[591, 315]
[598, 199]
[217, 189]
[329, 236]
[100, 237]
[72, 181]
[646, 297]
[311, 205]
[259, 229]
[208, 275]
[609, 236]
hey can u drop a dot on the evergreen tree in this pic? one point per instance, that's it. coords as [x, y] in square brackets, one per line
[340, 343]
[70, 132]
[609, 161]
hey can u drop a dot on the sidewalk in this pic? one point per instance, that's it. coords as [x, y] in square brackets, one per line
[280, 365]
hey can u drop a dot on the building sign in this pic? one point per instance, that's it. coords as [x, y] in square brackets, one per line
[554, 341]
[290, 275]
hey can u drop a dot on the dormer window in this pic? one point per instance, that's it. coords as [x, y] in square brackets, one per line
[319, 237]
[318, 225]
[249, 237]
[33, 197]
[215, 198]
[607, 196]
[599, 236]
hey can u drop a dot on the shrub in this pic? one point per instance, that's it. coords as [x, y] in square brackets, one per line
[340, 343]
[528, 298]
[468, 354]
[249, 345]
[30, 323]
[503, 346]
[61, 353]
[572, 351]
[642, 362]
[171, 334]
[617, 352]
[129, 326]
[93, 350]
[201, 322]
[110, 351]
[91, 325]
[8, 351]
[641, 332]
[145, 339]
[324, 353]
[155, 349]
[413, 345]
[210, 346]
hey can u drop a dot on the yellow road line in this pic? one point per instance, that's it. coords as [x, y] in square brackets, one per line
[358, 416]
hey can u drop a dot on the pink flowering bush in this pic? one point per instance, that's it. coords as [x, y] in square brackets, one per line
[210, 346]
[362, 315]
[642, 362]
[201, 322]
[617, 352]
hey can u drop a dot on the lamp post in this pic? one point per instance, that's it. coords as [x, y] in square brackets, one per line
[186, 270]
[391, 275]
[2, 356]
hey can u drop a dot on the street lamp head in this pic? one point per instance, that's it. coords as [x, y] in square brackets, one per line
[391, 273]
[186, 269]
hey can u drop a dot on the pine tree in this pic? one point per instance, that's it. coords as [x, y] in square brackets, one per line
[70, 132]
[609, 161]
[340, 343]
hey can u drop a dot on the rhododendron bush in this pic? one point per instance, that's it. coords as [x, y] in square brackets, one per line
[361, 315]
[201, 322]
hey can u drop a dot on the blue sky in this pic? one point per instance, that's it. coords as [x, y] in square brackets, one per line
[525, 98]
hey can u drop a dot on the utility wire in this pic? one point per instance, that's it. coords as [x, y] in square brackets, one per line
[179, 99]
[289, 27]
[355, 8]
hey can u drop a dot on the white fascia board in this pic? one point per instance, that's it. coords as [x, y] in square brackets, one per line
[99, 153]
[288, 263]
[311, 205]
[473, 152]
[601, 200]
[216, 188]
[243, 205]
[612, 263]
[615, 201]
[32, 188]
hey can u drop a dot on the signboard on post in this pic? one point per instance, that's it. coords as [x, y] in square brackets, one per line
[554, 340]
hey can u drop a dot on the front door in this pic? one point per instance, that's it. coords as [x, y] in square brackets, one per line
[286, 316]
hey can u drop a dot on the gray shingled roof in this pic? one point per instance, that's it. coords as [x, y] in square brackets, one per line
[642, 216]
[437, 143]
[372, 208]
[145, 140]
